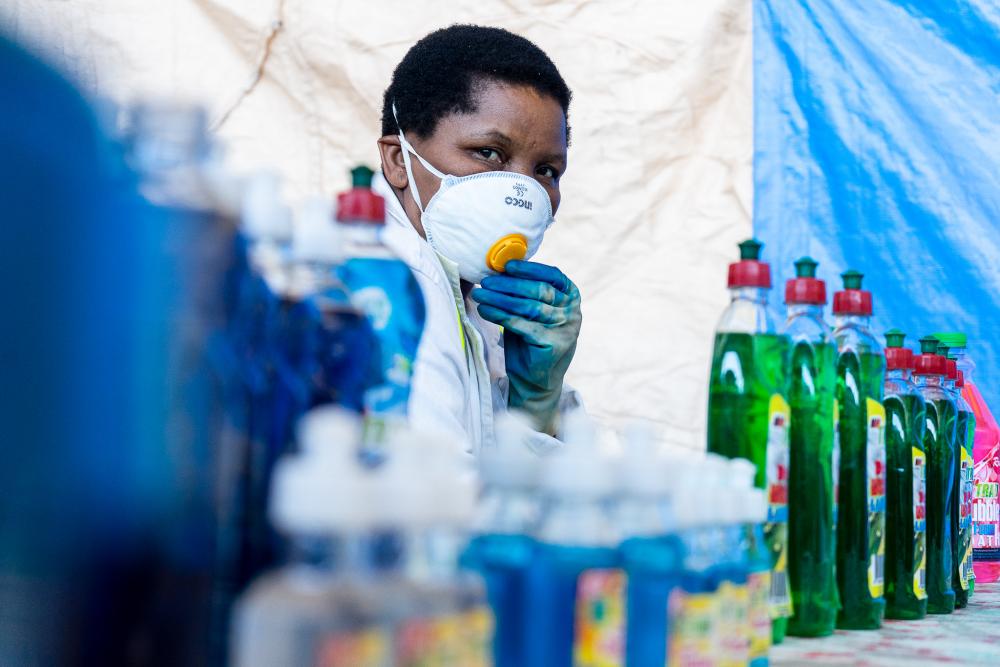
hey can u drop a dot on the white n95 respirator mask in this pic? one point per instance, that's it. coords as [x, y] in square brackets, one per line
[481, 221]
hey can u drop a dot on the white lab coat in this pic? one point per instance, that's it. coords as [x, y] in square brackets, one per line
[460, 381]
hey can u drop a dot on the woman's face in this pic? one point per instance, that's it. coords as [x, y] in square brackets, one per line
[514, 128]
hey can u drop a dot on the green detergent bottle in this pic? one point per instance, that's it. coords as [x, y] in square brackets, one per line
[906, 486]
[861, 502]
[812, 528]
[748, 412]
[930, 371]
[961, 535]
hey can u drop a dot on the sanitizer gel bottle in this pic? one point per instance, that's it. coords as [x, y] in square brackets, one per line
[906, 486]
[861, 502]
[748, 411]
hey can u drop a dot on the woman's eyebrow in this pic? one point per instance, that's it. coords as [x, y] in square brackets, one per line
[495, 136]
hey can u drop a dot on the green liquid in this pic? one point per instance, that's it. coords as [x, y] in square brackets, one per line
[859, 532]
[905, 546]
[940, 445]
[961, 537]
[812, 533]
[747, 370]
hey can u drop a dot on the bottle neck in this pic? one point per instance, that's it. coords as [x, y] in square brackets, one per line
[899, 375]
[859, 321]
[812, 310]
[755, 294]
[929, 381]
[358, 233]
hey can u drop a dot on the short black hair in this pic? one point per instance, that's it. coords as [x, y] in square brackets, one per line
[439, 75]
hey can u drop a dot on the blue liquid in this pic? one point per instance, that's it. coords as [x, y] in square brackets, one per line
[552, 597]
[503, 561]
[388, 293]
[653, 569]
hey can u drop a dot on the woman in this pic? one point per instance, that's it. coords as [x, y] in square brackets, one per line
[473, 146]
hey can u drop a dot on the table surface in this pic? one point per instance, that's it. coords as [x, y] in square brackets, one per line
[969, 636]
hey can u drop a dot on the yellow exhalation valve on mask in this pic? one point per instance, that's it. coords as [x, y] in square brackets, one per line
[512, 246]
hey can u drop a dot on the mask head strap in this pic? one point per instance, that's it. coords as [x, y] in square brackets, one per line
[407, 149]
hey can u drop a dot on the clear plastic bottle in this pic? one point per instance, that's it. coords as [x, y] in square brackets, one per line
[577, 584]
[329, 605]
[942, 414]
[503, 548]
[748, 411]
[384, 287]
[812, 528]
[729, 480]
[961, 519]
[650, 551]
[906, 486]
[861, 502]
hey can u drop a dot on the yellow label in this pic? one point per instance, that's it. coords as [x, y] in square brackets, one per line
[776, 528]
[876, 497]
[692, 637]
[759, 614]
[919, 523]
[600, 619]
[733, 624]
[835, 467]
[366, 648]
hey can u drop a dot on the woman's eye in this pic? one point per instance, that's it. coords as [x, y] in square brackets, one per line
[548, 172]
[490, 154]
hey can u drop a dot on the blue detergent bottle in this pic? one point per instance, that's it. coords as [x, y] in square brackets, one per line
[692, 608]
[577, 586]
[384, 287]
[503, 548]
[650, 551]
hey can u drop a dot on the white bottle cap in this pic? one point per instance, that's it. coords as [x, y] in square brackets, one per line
[316, 237]
[644, 470]
[579, 468]
[262, 211]
[322, 490]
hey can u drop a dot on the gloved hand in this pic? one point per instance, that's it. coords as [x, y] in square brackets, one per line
[539, 310]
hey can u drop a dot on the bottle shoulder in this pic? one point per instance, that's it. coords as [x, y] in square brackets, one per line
[852, 337]
[805, 328]
[747, 316]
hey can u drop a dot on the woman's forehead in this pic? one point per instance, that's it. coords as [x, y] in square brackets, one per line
[518, 114]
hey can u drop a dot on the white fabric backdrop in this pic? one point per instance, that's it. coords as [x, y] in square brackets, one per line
[658, 190]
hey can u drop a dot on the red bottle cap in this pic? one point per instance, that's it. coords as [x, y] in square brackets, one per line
[750, 271]
[897, 357]
[360, 204]
[929, 362]
[852, 300]
[805, 287]
[952, 366]
[960, 382]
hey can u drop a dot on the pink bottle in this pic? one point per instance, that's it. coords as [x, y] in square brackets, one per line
[986, 472]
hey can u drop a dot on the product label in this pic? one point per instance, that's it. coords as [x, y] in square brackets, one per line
[691, 639]
[967, 486]
[600, 619]
[758, 593]
[919, 524]
[363, 648]
[386, 291]
[776, 529]
[876, 497]
[733, 625]
[836, 460]
[454, 639]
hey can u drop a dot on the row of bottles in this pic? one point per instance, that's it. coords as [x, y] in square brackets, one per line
[372, 579]
[648, 558]
[866, 456]
[274, 314]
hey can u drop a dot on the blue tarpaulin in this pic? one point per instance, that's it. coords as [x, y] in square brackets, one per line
[877, 147]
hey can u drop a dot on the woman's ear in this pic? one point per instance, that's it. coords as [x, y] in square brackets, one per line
[392, 161]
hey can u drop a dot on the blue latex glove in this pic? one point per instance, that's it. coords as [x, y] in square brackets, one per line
[539, 310]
